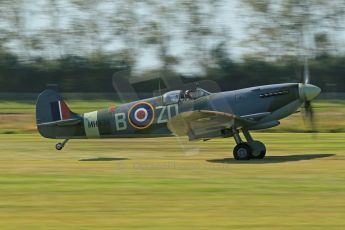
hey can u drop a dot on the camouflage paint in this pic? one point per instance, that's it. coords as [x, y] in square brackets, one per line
[280, 100]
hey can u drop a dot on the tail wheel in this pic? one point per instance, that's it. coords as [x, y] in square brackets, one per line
[59, 146]
[242, 151]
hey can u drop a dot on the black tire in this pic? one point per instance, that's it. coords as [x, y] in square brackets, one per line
[262, 150]
[242, 151]
[58, 146]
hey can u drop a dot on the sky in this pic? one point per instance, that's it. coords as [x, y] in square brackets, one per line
[228, 16]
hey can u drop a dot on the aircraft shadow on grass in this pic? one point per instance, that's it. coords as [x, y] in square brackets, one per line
[272, 159]
[105, 159]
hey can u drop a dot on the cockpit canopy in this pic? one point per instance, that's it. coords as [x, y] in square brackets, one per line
[172, 97]
[180, 95]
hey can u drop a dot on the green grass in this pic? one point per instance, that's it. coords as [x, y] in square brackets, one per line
[155, 184]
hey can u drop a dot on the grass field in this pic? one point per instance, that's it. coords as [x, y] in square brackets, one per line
[155, 184]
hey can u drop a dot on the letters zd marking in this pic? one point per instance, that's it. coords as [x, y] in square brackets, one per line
[166, 112]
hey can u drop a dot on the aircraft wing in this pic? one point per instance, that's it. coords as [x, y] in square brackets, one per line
[255, 117]
[204, 124]
[200, 124]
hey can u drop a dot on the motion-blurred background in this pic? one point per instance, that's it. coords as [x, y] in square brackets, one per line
[88, 48]
[78, 45]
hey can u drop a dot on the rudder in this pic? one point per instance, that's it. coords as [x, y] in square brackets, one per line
[53, 117]
[51, 107]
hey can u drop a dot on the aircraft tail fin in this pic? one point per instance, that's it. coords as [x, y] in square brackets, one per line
[52, 115]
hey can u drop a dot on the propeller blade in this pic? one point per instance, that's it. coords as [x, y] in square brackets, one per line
[309, 114]
[188, 148]
[306, 77]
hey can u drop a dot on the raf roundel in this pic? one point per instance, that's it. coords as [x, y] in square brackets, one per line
[141, 115]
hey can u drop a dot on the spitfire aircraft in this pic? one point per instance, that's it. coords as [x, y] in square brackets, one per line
[195, 113]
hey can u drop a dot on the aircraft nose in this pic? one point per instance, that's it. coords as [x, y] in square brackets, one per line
[308, 92]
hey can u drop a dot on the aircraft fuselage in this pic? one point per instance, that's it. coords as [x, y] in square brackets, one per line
[149, 117]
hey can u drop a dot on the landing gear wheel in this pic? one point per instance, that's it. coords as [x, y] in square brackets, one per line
[59, 146]
[242, 151]
[259, 150]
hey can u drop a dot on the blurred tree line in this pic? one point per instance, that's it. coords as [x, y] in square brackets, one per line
[80, 44]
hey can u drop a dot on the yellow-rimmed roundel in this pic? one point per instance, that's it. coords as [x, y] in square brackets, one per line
[141, 115]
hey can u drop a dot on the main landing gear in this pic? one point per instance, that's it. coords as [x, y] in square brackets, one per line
[60, 145]
[248, 150]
